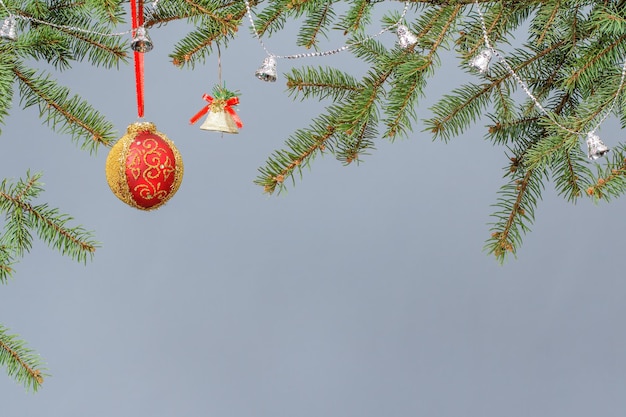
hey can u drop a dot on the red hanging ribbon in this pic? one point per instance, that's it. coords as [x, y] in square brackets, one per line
[233, 101]
[136, 12]
[139, 84]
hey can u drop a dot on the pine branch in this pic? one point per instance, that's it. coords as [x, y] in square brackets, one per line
[320, 15]
[106, 10]
[272, 18]
[6, 82]
[357, 141]
[550, 149]
[610, 181]
[516, 206]
[608, 20]
[549, 12]
[369, 50]
[6, 263]
[216, 23]
[195, 47]
[170, 11]
[406, 87]
[456, 111]
[509, 131]
[22, 217]
[593, 62]
[356, 18]
[72, 115]
[570, 173]
[22, 363]
[322, 83]
[302, 147]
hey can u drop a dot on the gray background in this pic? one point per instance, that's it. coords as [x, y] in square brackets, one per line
[363, 291]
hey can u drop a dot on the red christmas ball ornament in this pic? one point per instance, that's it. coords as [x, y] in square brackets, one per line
[144, 168]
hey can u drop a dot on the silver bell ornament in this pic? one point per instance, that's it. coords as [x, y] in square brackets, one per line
[267, 71]
[406, 38]
[141, 41]
[481, 61]
[219, 121]
[595, 147]
[8, 30]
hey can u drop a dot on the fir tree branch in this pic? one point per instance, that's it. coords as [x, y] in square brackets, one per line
[322, 83]
[319, 17]
[502, 132]
[74, 115]
[570, 173]
[49, 224]
[402, 99]
[611, 179]
[196, 42]
[222, 24]
[552, 146]
[406, 87]
[205, 11]
[456, 111]
[355, 142]
[5, 269]
[100, 49]
[589, 64]
[6, 82]
[517, 202]
[303, 146]
[356, 18]
[444, 30]
[51, 228]
[21, 363]
[272, 18]
[24, 189]
[553, 8]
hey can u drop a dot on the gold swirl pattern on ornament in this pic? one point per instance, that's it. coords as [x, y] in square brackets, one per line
[149, 161]
[117, 159]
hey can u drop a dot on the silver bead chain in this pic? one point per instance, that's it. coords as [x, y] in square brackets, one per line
[68, 28]
[321, 53]
[155, 4]
[524, 87]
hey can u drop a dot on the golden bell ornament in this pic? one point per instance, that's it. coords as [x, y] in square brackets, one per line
[219, 121]
[141, 41]
[8, 30]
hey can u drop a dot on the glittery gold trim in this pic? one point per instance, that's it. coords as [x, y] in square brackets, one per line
[116, 170]
[139, 127]
[116, 164]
